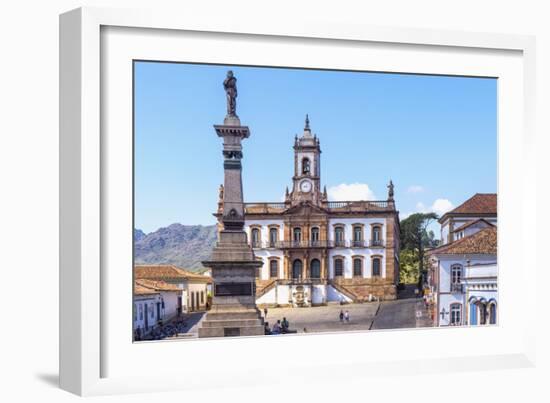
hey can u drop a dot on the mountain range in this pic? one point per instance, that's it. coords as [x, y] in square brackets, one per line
[182, 245]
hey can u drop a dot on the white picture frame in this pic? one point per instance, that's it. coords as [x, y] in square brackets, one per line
[93, 348]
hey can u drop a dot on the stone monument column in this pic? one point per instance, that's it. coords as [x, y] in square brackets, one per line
[233, 264]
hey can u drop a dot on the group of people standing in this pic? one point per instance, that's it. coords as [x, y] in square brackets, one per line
[344, 316]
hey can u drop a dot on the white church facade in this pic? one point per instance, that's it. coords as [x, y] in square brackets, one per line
[316, 251]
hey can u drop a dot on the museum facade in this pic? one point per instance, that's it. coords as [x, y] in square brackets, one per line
[315, 251]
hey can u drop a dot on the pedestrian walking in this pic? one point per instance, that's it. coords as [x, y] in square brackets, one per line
[265, 312]
[346, 316]
[341, 316]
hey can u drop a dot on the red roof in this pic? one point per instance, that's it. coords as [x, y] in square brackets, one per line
[483, 242]
[167, 272]
[156, 285]
[480, 203]
[470, 223]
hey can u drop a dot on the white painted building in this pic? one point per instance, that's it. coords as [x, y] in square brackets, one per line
[315, 251]
[478, 210]
[463, 277]
[155, 303]
[194, 287]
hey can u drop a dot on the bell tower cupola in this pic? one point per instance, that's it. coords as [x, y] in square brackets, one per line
[307, 167]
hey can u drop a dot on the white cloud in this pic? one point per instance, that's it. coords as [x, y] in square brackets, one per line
[351, 192]
[415, 189]
[441, 206]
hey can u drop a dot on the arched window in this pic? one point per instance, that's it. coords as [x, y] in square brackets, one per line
[456, 278]
[314, 235]
[456, 314]
[357, 236]
[297, 235]
[493, 314]
[357, 267]
[273, 268]
[273, 237]
[376, 266]
[338, 267]
[376, 236]
[297, 269]
[315, 268]
[305, 166]
[202, 297]
[339, 236]
[255, 235]
[482, 313]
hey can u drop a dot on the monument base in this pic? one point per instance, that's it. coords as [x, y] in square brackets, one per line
[234, 311]
[231, 324]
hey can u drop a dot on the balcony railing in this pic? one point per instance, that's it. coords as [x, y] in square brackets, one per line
[376, 242]
[339, 243]
[303, 244]
[359, 205]
[336, 206]
[317, 244]
[358, 244]
[264, 208]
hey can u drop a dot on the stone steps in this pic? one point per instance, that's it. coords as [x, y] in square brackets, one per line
[212, 316]
[221, 332]
[232, 323]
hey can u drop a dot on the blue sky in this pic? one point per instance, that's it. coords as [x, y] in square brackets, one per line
[434, 136]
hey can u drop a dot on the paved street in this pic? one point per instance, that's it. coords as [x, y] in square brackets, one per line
[325, 318]
[397, 314]
[406, 312]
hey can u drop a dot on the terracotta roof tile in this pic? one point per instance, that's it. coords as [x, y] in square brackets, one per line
[166, 271]
[139, 290]
[156, 285]
[483, 242]
[480, 203]
[470, 223]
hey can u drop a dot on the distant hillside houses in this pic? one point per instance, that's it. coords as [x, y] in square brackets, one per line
[462, 286]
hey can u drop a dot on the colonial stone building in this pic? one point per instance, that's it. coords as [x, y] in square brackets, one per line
[315, 251]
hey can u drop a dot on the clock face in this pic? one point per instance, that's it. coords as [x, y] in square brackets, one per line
[305, 186]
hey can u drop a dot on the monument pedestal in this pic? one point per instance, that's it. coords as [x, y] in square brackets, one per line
[234, 311]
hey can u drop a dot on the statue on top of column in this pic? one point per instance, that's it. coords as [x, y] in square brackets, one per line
[390, 190]
[230, 86]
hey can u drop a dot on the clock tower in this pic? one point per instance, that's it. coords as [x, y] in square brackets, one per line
[306, 182]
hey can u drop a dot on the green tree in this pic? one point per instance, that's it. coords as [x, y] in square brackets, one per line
[415, 237]
[408, 266]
